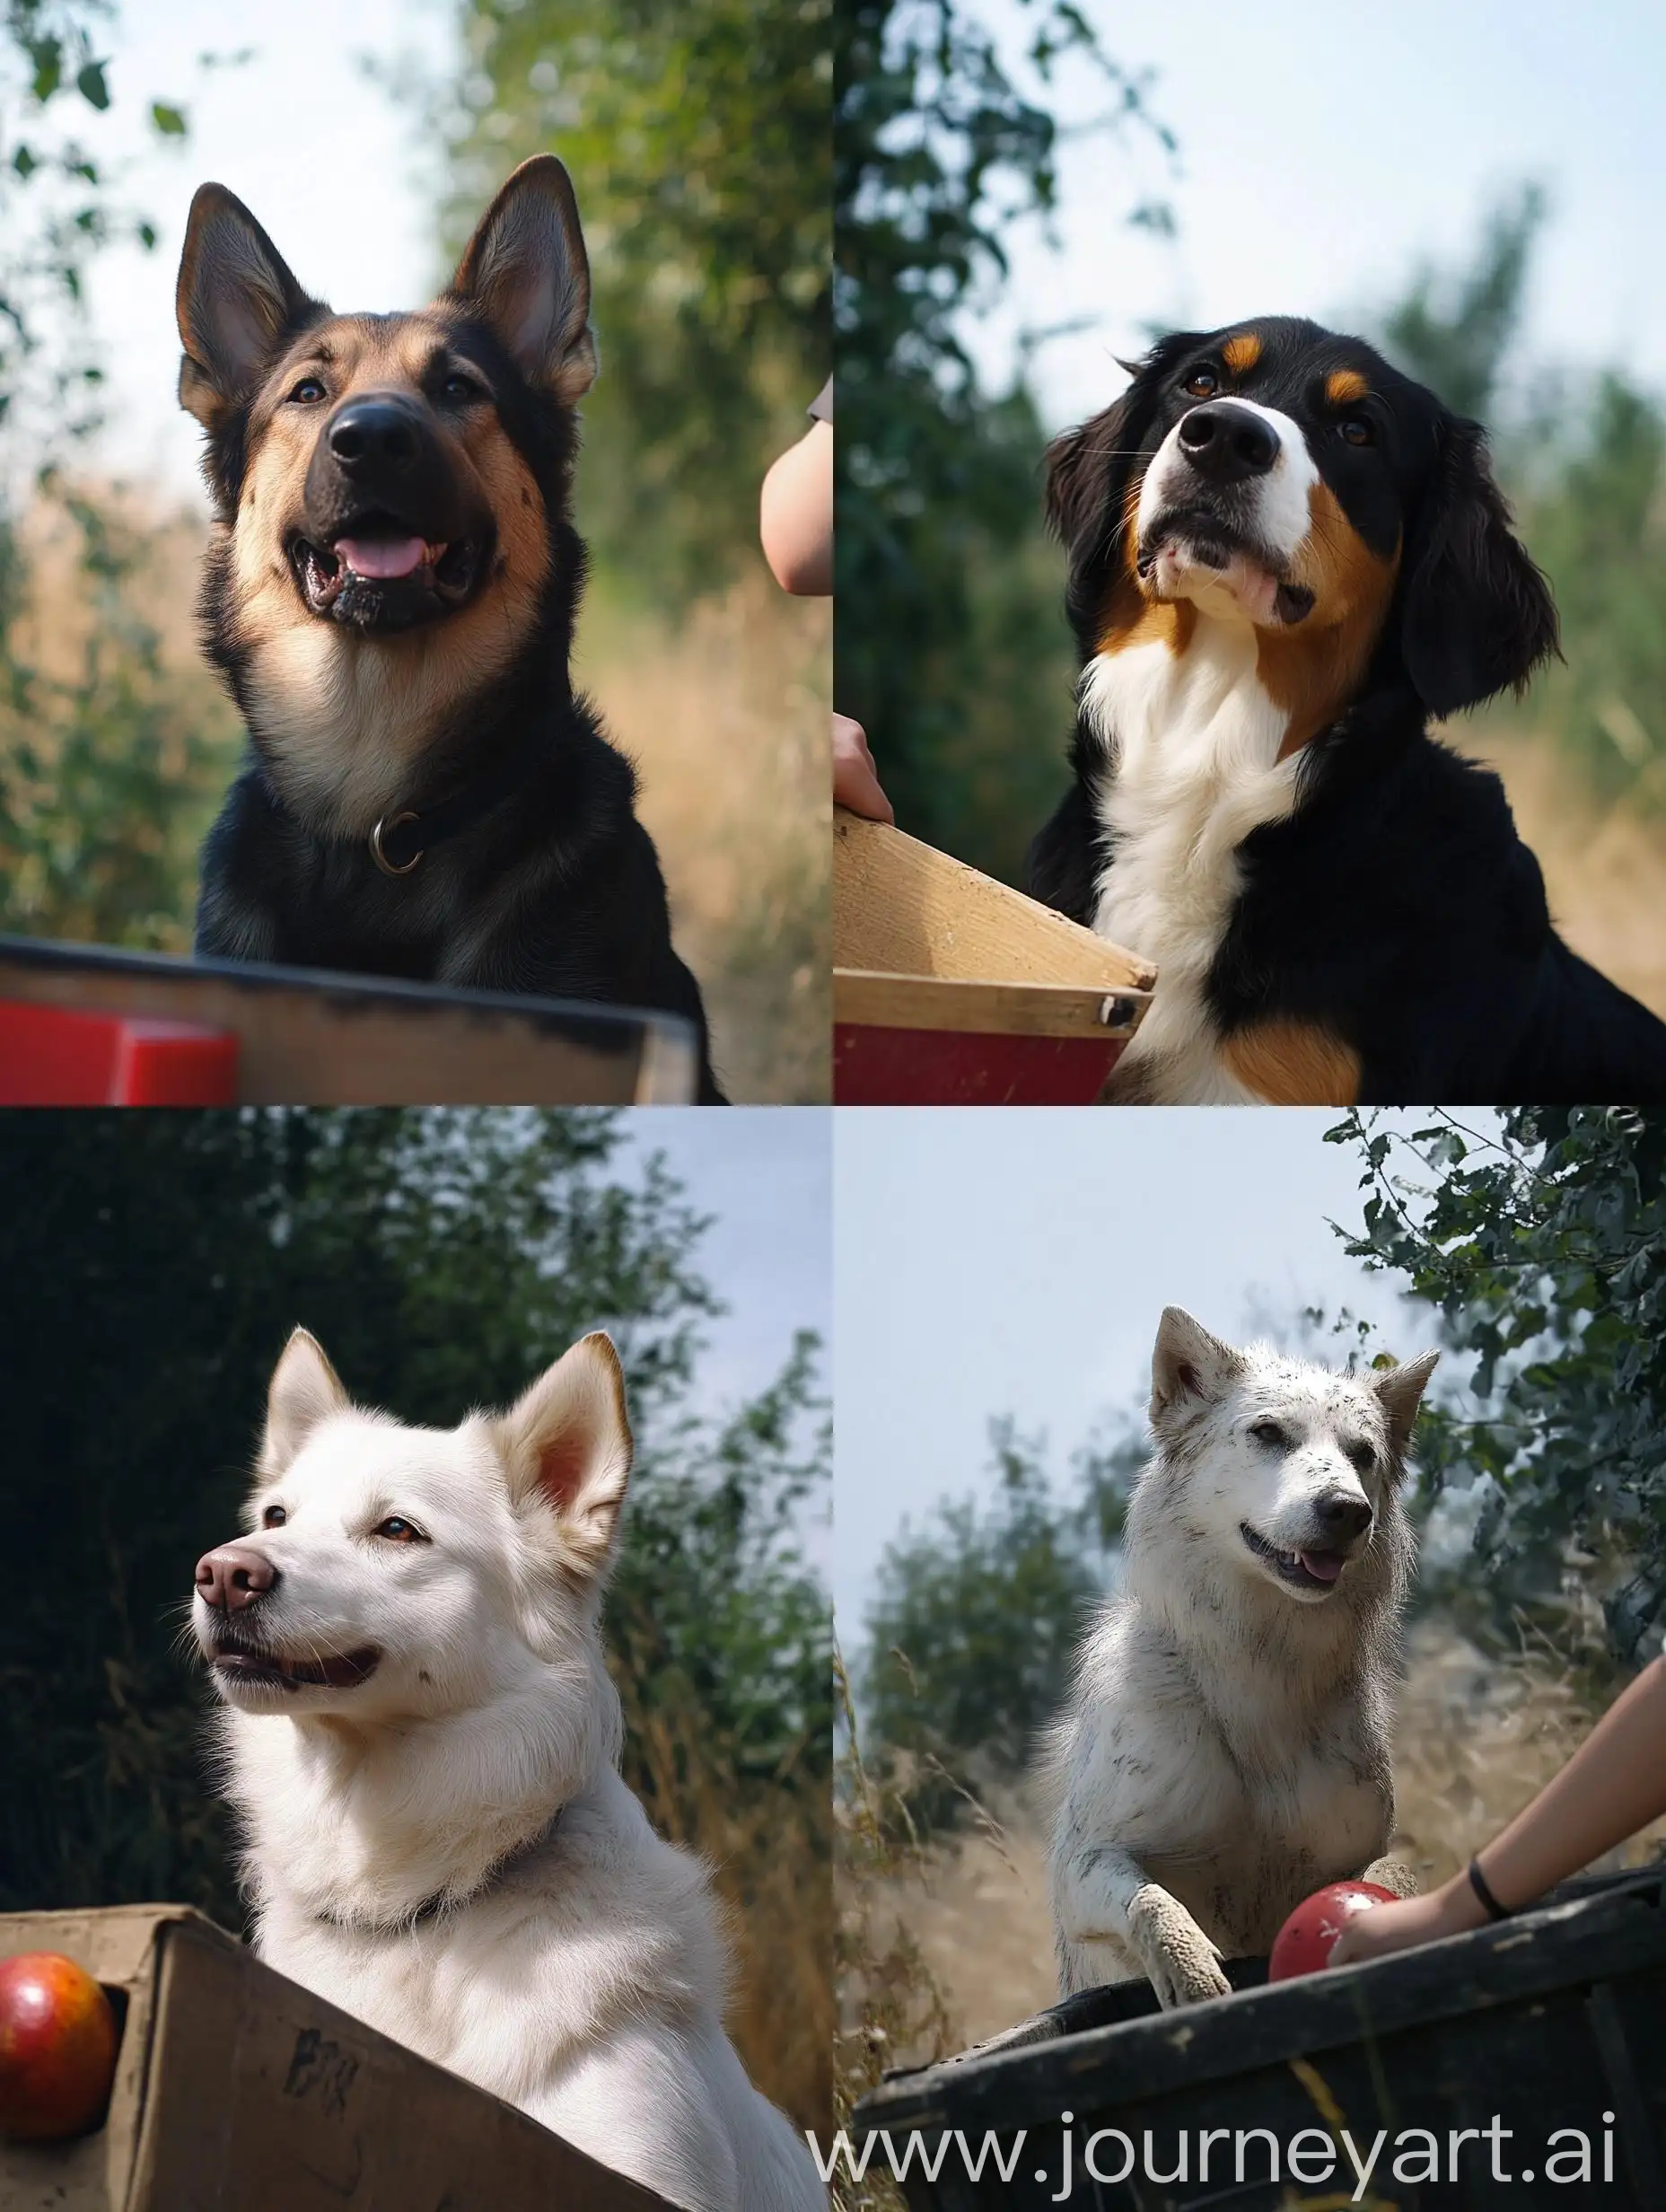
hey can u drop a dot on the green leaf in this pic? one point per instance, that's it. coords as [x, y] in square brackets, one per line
[91, 85]
[168, 120]
[48, 57]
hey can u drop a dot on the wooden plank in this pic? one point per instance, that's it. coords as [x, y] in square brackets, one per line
[309, 1037]
[901, 908]
[992, 1009]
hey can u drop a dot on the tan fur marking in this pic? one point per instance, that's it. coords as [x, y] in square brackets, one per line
[1343, 386]
[1291, 1063]
[345, 716]
[1241, 352]
[1312, 670]
[1132, 619]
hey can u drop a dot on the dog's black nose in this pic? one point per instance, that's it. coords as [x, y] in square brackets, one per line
[373, 435]
[1227, 442]
[233, 1576]
[1341, 1517]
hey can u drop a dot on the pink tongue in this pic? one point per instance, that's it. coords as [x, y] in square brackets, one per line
[380, 556]
[1323, 1565]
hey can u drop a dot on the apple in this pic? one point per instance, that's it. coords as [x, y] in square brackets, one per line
[1305, 1942]
[57, 2048]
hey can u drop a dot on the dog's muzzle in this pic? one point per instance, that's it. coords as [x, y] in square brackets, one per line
[1214, 506]
[388, 541]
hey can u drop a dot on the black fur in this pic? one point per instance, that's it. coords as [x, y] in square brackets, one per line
[1396, 909]
[554, 889]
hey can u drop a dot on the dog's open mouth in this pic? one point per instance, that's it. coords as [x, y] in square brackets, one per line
[1303, 1570]
[1182, 541]
[271, 1669]
[380, 574]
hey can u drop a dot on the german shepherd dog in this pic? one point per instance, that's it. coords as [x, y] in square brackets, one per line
[389, 595]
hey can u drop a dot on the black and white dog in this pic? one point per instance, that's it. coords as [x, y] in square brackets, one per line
[1286, 557]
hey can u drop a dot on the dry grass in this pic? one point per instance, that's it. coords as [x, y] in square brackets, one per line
[726, 719]
[1477, 1737]
[768, 1845]
[725, 714]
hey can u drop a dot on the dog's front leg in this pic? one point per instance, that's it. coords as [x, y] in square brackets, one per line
[1107, 1896]
[1392, 1875]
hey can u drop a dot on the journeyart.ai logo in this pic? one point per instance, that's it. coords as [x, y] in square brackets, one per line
[1311, 2156]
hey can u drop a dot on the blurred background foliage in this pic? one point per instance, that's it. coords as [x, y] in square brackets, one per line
[952, 650]
[699, 146]
[698, 142]
[1540, 1242]
[150, 1268]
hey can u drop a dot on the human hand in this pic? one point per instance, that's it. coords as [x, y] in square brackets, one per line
[1452, 1910]
[856, 781]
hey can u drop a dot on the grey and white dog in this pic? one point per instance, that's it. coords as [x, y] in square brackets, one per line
[1225, 1749]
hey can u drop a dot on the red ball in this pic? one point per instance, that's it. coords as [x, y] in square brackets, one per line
[57, 2048]
[1308, 1937]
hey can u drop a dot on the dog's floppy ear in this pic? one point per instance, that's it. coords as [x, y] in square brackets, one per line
[1476, 614]
[525, 272]
[1088, 471]
[1188, 1368]
[566, 1441]
[1400, 1391]
[236, 299]
[304, 1389]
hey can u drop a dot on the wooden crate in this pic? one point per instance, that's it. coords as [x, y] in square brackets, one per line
[1549, 2021]
[235, 2086]
[949, 989]
[307, 1037]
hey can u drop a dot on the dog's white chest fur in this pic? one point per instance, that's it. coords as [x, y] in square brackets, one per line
[1193, 740]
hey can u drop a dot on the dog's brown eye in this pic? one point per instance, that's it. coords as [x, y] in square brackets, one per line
[399, 1531]
[1267, 1433]
[1362, 1456]
[1358, 430]
[1203, 383]
[274, 1518]
[308, 392]
[460, 388]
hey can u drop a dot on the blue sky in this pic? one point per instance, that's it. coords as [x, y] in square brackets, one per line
[1016, 1262]
[1326, 150]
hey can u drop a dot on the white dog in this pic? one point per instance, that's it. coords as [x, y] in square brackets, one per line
[423, 1744]
[1225, 1751]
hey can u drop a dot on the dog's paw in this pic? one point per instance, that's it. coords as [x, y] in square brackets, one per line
[1392, 1875]
[1181, 1964]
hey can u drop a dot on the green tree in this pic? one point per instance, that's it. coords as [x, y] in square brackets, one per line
[952, 650]
[1584, 462]
[1544, 1250]
[698, 145]
[109, 761]
[151, 1266]
[1454, 328]
[977, 1616]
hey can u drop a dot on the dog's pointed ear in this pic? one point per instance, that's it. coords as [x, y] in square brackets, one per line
[1190, 1368]
[304, 1391]
[566, 1441]
[1399, 1392]
[525, 272]
[236, 301]
[1476, 617]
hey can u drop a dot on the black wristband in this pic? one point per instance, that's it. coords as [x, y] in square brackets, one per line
[1479, 1883]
